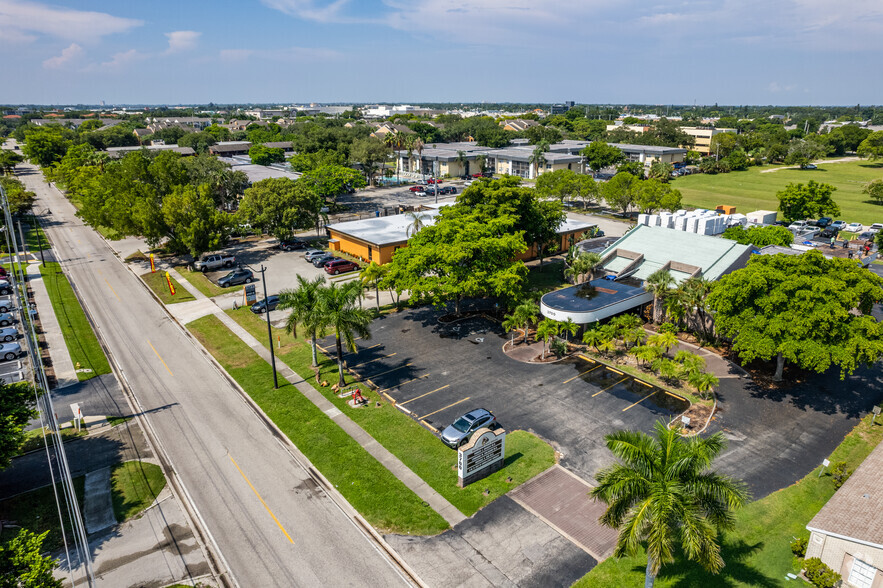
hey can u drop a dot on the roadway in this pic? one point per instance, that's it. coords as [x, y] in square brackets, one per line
[259, 505]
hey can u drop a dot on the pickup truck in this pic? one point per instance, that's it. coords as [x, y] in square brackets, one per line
[213, 261]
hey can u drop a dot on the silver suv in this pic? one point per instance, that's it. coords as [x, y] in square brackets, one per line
[459, 432]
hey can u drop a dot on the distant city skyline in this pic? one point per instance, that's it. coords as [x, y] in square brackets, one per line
[788, 52]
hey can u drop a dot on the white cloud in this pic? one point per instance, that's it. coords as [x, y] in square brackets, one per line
[69, 55]
[119, 61]
[309, 10]
[288, 54]
[182, 40]
[24, 18]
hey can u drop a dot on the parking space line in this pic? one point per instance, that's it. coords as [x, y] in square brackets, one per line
[365, 349]
[424, 376]
[388, 371]
[582, 374]
[614, 371]
[445, 408]
[370, 360]
[427, 394]
[610, 386]
[645, 383]
[639, 401]
[581, 356]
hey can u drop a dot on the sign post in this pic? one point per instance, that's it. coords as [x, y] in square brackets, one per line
[78, 415]
[825, 463]
[482, 456]
[251, 295]
[876, 411]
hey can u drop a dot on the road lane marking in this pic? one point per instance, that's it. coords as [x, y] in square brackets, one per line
[370, 360]
[578, 375]
[253, 489]
[112, 290]
[610, 386]
[639, 401]
[388, 371]
[445, 408]
[160, 357]
[427, 394]
[403, 383]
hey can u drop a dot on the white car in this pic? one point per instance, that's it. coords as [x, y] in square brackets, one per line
[875, 228]
[798, 225]
[8, 334]
[9, 351]
[6, 304]
[854, 227]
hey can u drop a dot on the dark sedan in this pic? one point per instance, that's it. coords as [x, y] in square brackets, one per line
[321, 260]
[236, 277]
[291, 244]
[268, 303]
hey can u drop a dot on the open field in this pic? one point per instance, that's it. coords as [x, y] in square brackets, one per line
[752, 190]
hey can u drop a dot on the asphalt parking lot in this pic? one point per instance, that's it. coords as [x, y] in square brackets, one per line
[437, 372]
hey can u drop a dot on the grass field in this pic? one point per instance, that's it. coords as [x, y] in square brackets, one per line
[134, 486]
[78, 335]
[156, 281]
[37, 512]
[757, 552]
[752, 190]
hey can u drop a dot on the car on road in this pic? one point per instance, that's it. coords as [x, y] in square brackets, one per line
[238, 276]
[8, 334]
[447, 190]
[213, 261]
[291, 244]
[839, 225]
[9, 351]
[459, 432]
[321, 260]
[6, 319]
[338, 266]
[854, 227]
[309, 254]
[261, 306]
[824, 222]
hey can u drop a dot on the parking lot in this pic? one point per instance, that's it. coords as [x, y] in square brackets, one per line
[437, 372]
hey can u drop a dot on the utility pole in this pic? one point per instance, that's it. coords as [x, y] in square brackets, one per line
[263, 271]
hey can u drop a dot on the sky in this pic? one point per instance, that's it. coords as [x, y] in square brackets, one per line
[788, 52]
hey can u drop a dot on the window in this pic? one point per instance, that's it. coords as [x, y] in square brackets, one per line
[370, 254]
[862, 574]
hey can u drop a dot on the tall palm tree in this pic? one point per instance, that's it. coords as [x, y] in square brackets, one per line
[340, 314]
[408, 144]
[538, 157]
[393, 140]
[582, 264]
[371, 277]
[694, 292]
[659, 283]
[461, 160]
[417, 222]
[546, 329]
[663, 492]
[664, 341]
[569, 327]
[306, 313]
[418, 147]
[522, 315]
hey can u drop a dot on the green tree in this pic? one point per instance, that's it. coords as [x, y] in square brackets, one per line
[568, 328]
[546, 330]
[760, 236]
[802, 152]
[17, 405]
[280, 206]
[194, 224]
[306, 313]
[600, 155]
[806, 309]
[219, 133]
[813, 200]
[662, 493]
[621, 191]
[20, 199]
[664, 340]
[872, 146]
[261, 155]
[659, 283]
[538, 157]
[660, 170]
[522, 316]
[372, 276]
[874, 189]
[8, 160]
[46, 145]
[330, 181]
[200, 142]
[646, 353]
[224, 184]
[22, 565]
[703, 382]
[738, 160]
[652, 195]
[369, 153]
[598, 337]
[340, 314]
[722, 144]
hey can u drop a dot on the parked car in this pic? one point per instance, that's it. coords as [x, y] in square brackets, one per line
[261, 306]
[6, 304]
[3, 273]
[854, 227]
[459, 432]
[866, 236]
[338, 266]
[291, 244]
[6, 319]
[447, 190]
[828, 233]
[420, 193]
[433, 181]
[238, 276]
[8, 334]
[309, 254]
[839, 225]
[214, 261]
[5, 287]
[321, 260]
[824, 222]
[9, 351]
[875, 228]
[798, 225]
[417, 188]
[468, 183]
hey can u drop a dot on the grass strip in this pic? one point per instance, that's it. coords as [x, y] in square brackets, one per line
[156, 281]
[37, 512]
[384, 501]
[134, 485]
[82, 344]
[34, 438]
[203, 284]
[757, 552]
[418, 448]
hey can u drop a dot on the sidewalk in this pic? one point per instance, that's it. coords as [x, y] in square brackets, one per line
[65, 374]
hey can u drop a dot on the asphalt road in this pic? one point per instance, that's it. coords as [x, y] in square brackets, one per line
[271, 527]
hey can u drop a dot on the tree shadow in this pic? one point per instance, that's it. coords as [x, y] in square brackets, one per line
[872, 165]
[737, 572]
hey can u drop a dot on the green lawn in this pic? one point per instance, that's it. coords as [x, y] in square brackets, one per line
[752, 190]
[34, 438]
[418, 448]
[757, 552]
[35, 238]
[82, 344]
[384, 501]
[134, 486]
[203, 284]
[156, 281]
[37, 512]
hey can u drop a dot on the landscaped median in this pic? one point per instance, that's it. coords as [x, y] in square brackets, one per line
[203, 284]
[156, 281]
[415, 446]
[757, 552]
[82, 344]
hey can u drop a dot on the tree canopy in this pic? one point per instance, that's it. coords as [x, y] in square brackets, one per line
[280, 206]
[600, 155]
[760, 236]
[872, 146]
[261, 155]
[16, 410]
[812, 200]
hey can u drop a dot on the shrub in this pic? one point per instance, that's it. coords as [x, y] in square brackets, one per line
[798, 546]
[818, 572]
[840, 474]
[558, 347]
[668, 328]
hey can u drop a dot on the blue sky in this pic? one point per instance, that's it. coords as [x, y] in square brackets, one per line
[590, 51]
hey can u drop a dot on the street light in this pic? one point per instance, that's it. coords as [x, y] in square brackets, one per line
[269, 327]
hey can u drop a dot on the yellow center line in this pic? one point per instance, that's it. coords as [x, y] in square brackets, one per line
[610, 386]
[422, 395]
[112, 290]
[639, 401]
[582, 374]
[388, 371]
[160, 357]
[370, 360]
[250, 485]
[406, 382]
[446, 407]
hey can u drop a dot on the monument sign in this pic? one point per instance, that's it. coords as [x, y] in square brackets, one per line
[482, 456]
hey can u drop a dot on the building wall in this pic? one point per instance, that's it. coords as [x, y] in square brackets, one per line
[839, 553]
[360, 249]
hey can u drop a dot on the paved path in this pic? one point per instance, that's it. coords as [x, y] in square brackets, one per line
[97, 501]
[841, 160]
[65, 373]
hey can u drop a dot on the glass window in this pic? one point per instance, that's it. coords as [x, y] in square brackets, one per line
[862, 574]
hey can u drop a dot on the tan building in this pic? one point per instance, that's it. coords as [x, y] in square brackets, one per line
[519, 124]
[702, 137]
[847, 534]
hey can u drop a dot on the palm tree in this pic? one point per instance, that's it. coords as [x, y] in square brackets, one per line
[418, 221]
[303, 302]
[570, 327]
[659, 283]
[461, 160]
[371, 277]
[663, 492]
[595, 337]
[664, 341]
[703, 382]
[584, 263]
[669, 370]
[523, 314]
[418, 147]
[695, 292]
[538, 158]
[393, 140]
[691, 362]
[632, 336]
[646, 353]
[338, 308]
[481, 162]
[545, 331]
